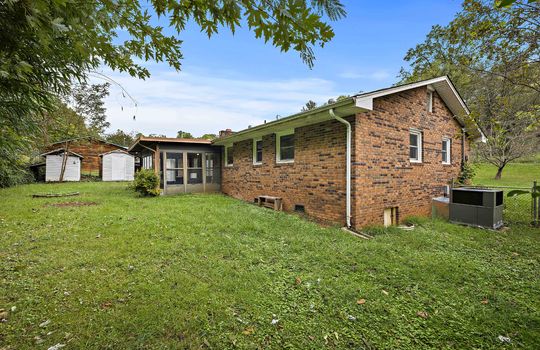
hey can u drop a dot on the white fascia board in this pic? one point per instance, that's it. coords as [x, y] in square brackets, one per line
[366, 100]
[317, 115]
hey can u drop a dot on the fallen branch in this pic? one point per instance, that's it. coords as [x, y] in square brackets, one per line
[51, 195]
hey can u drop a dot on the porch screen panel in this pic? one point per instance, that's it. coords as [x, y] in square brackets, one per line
[194, 170]
[175, 168]
[213, 175]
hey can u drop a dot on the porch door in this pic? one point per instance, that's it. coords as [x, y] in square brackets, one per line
[195, 182]
[174, 172]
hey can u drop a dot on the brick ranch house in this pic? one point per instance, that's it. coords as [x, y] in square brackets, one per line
[372, 158]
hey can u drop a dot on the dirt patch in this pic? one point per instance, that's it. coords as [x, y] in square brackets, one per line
[71, 204]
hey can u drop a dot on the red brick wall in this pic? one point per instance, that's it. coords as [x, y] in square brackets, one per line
[383, 175]
[90, 150]
[316, 179]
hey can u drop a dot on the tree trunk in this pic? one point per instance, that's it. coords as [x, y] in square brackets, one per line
[64, 162]
[499, 172]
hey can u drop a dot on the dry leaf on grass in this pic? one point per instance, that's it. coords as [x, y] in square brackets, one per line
[361, 301]
[298, 280]
[3, 315]
[249, 330]
[485, 301]
[422, 314]
[106, 305]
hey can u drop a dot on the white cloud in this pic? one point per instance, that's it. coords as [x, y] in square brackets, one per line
[202, 102]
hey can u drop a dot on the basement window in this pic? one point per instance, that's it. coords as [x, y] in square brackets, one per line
[299, 208]
[285, 147]
[415, 146]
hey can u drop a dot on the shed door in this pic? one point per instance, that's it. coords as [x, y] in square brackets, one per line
[118, 167]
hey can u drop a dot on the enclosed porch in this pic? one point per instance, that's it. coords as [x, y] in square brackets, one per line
[183, 165]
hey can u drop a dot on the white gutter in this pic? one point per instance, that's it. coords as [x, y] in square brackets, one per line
[348, 165]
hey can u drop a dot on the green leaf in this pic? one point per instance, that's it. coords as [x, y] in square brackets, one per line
[504, 3]
[516, 193]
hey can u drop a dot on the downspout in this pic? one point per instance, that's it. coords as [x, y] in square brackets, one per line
[462, 148]
[348, 165]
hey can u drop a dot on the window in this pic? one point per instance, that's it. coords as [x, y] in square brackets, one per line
[285, 147]
[174, 168]
[430, 101]
[257, 151]
[446, 146]
[194, 168]
[415, 147]
[229, 155]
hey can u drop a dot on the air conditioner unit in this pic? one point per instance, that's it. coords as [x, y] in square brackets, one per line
[476, 207]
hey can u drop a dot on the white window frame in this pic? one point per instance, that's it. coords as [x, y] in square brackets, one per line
[448, 150]
[225, 154]
[430, 100]
[255, 140]
[418, 133]
[278, 146]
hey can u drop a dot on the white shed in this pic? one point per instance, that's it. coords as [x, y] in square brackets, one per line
[53, 165]
[117, 165]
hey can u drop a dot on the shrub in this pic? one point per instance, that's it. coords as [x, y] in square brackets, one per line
[146, 182]
[467, 174]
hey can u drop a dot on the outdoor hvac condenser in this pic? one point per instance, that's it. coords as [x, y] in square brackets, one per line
[476, 207]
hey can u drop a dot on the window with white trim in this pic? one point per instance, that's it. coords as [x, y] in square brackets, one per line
[228, 155]
[445, 152]
[415, 146]
[285, 147]
[257, 151]
[430, 101]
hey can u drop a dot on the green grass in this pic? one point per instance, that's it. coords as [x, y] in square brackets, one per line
[208, 271]
[514, 174]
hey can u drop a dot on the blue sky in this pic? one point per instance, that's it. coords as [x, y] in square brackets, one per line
[232, 81]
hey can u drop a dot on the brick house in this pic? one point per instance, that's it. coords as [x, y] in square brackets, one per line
[90, 149]
[372, 158]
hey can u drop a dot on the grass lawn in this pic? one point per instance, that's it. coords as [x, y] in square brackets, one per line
[514, 174]
[208, 271]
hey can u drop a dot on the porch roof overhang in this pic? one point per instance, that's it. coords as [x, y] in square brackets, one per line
[143, 142]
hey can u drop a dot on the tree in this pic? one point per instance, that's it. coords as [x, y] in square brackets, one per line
[492, 55]
[48, 45]
[184, 135]
[119, 137]
[209, 136]
[510, 138]
[88, 101]
[59, 124]
[309, 106]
